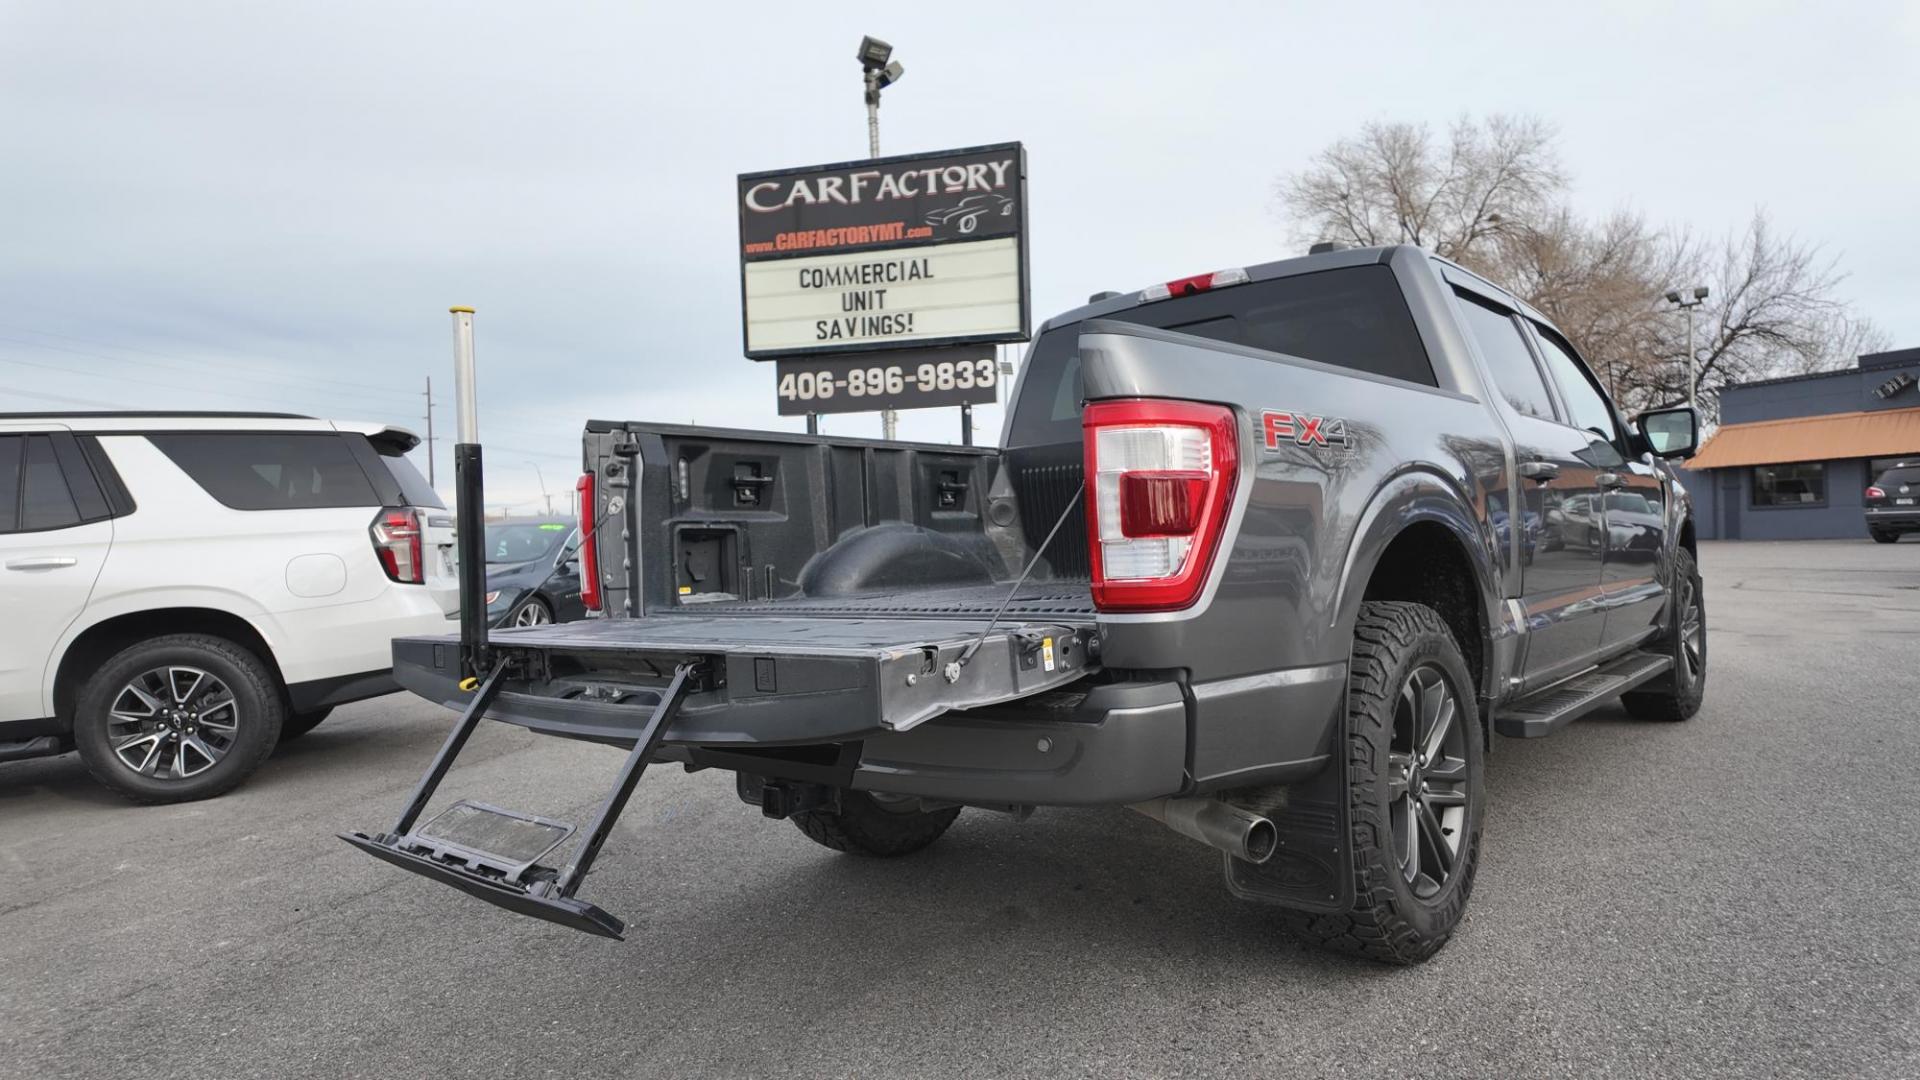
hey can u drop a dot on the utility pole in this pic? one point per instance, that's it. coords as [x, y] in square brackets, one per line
[429, 431]
[880, 71]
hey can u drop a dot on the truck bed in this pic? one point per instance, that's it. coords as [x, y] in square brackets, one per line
[1068, 601]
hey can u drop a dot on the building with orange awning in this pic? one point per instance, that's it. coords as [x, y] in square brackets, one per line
[1793, 457]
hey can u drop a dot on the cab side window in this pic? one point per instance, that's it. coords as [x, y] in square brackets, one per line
[1590, 411]
[1515, 375]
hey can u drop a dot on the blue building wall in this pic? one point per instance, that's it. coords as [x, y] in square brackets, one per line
[1723, 498]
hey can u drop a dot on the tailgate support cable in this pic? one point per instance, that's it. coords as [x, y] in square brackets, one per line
[967, 657]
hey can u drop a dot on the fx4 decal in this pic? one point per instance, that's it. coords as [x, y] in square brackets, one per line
[1281, 427]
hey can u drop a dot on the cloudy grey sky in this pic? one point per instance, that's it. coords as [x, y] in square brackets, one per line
[247, 205]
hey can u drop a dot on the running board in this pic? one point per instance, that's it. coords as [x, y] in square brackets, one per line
[1559, 705]
[494, 854]
[44, 746]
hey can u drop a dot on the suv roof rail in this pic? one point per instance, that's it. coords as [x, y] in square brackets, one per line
[167, 413]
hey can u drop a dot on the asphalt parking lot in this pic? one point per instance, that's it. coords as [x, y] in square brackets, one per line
[1738, 895]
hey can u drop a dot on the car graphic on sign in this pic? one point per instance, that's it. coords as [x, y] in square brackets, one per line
[965, 215]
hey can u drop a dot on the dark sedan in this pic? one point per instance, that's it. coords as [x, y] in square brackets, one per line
[533, 572]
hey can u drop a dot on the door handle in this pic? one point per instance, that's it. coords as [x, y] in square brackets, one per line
[1610, 480]
[43, 562]
[1539, 470]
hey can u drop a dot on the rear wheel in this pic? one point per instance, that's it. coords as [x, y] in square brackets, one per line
[532, 613]
[1415, 797]
[1677, 695]
[185, 716]
[880, 826]
[1884, 536]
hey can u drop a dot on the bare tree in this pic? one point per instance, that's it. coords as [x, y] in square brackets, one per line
[1391, 185]
[1492, 199]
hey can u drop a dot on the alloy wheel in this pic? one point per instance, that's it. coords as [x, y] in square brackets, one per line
[173, 722]
[531, 614]
[1427, 781]
[1693, 632]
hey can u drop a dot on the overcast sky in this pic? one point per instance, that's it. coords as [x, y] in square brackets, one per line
[271, 205]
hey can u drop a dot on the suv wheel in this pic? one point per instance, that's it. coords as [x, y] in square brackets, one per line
[185, 716]
[1677, 696]
[1884, 536]
[1414, 789]
[880, 826]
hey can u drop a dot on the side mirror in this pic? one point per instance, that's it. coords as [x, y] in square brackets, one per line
[1670, 433]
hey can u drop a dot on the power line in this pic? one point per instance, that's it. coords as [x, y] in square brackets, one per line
[195, 368]
[169, 356]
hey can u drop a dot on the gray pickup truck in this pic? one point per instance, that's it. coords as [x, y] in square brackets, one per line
[1266, 554]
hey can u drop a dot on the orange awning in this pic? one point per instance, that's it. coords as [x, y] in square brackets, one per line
[1884, 433]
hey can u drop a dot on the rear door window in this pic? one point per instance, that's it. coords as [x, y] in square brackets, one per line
[271, 470]
[1354, 317]
[45, 501]
[11, 449]
[1515, 376]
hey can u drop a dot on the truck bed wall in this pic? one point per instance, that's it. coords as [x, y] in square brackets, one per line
[694, 514]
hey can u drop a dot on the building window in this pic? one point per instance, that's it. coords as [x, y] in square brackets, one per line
[1800, 484]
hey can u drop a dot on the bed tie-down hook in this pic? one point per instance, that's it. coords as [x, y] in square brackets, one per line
[952, 671]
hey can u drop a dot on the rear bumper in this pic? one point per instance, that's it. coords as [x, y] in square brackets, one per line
[1903, 518]
[1089, 745]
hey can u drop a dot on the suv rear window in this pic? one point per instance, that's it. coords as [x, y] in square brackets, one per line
[1354, 317]
[1899, 474]
[271, 470]
[413, 487]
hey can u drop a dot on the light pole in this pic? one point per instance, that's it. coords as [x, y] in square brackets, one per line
[1676, 298]
[538, 475]
[879, 71]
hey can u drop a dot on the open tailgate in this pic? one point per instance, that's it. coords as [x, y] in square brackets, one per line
[708, 679]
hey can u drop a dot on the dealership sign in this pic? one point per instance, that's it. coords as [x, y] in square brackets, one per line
[913, 252]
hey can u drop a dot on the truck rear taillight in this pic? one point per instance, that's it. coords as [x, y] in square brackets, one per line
[1160, 476]
[1875, 493]
[1198, 283]
[589, 545]
[396, 533]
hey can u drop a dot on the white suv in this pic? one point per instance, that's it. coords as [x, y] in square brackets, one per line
[181, 591]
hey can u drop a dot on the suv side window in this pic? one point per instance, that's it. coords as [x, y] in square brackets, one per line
[271, 470]
[11, 447]
[1515, 375]
[45, 500]
[1589, 410]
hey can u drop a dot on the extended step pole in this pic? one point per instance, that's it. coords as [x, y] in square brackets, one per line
[470, 501]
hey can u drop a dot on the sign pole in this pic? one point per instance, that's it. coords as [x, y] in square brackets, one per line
[889, 418]
[469, 499]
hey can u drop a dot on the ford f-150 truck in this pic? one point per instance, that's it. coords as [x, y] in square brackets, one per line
[1260, 555]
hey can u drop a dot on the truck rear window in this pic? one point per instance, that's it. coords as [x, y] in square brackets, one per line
[1354, 317]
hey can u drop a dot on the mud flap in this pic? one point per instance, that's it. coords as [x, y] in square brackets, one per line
[1312, 868]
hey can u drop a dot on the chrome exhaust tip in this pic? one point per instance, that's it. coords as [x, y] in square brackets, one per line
[1240, 833]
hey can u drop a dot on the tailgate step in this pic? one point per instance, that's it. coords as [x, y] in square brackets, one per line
[494, 854]
[1559, 705]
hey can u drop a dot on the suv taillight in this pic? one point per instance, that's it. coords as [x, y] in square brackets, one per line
[1875, 493]
[589, 545]
[396, 542]
[1160, 476]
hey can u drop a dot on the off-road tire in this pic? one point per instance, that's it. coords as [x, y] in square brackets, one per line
[299, 723]
[1884, 536]
[255, 691]
[1675, 696]
[863, 826]
[1387, 922]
